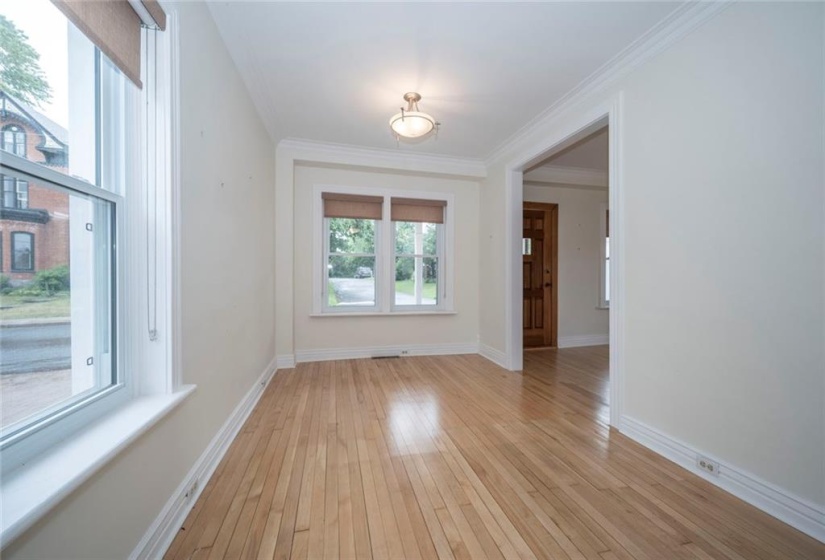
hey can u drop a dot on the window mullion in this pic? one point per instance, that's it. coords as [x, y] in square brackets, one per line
[418, 263]
[385, 262]
[441, 276]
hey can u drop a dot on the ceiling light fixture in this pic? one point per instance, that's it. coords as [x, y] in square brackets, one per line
[410, 122]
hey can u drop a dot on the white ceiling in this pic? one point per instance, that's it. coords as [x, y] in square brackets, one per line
[589, 153]
[337, 72]
[582, 164]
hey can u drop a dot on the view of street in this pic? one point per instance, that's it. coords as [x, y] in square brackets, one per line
[35, 347]
[361, 291]
[35, 366]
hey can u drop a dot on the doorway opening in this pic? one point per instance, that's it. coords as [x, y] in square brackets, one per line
[565, 251]
[589, 252]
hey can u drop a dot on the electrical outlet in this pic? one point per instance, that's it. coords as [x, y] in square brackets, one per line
[710, 467]
[192, 490]
[405, 352]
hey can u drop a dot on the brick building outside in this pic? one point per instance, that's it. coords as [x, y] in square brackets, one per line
[34, 220]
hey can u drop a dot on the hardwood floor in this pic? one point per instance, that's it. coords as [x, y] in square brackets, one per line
[453, 457]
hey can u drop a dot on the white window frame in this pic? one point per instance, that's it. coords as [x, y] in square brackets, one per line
[385, 256]
[440, 281]
[85, 436]
[604, 303]
[375, 273]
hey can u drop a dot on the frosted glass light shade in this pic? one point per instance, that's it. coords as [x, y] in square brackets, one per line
[412, 124]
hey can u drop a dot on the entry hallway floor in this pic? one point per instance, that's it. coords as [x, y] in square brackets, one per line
[454, 457]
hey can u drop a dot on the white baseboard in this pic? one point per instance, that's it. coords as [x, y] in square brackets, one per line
[793, 510]
[167, 524]
[496, 356]
[584, 340]
[285, 361]
[326, 354]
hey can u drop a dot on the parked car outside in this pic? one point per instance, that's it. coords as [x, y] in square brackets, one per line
[363, 272]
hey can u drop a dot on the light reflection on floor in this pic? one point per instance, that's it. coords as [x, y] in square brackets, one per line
[414, 422]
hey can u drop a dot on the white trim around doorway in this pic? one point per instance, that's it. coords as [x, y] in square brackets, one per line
[606, 113]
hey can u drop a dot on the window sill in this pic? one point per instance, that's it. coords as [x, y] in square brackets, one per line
[385, 314]
[29, 493]
[602, 307]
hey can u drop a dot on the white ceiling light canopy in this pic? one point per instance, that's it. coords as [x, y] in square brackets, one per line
[411, 122]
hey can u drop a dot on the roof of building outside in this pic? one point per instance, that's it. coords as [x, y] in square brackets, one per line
[57, 137]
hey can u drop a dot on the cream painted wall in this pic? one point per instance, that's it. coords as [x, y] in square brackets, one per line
[579, 258]
[227, 249]
[722, 159]
[314, 333]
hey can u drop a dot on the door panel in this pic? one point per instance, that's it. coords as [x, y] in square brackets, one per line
[539, 232]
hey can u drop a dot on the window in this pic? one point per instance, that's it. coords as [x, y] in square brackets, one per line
[604, 251]
[22, 252]
[417, 225]
[350, 250]
[70, 362]
[14, 140]
[380, 253]
[15, 193]
[103, 227]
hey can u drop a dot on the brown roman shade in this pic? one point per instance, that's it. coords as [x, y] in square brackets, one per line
[418, 210]
[114, 27]
[156, 13]
[363, 207]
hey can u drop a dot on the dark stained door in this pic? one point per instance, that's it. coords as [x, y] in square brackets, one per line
[539, 269]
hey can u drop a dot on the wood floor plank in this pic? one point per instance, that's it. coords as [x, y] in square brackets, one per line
[453, 458]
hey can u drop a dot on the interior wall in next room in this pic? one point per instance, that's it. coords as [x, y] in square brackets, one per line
[579, 241]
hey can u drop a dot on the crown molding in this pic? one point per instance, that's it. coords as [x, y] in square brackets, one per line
[300, 150]
[564, 175]
[680, 23]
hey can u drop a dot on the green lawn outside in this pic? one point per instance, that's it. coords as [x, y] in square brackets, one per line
[332, 300]
[408, 287]
[14, 307]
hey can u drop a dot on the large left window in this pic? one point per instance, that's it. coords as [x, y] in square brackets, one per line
[66, 115]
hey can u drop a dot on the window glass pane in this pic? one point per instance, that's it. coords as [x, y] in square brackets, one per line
[430, 232]
[404, 238]
[22, 194]
[416, 281]
[14, 139]
[9, 192]
[351, 281]
[416, 238]
[51, 104]
[607, 269]
[22, 251]
[56, 340]
[351, 235]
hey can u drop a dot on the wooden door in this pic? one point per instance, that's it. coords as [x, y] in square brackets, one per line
[540, 265]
